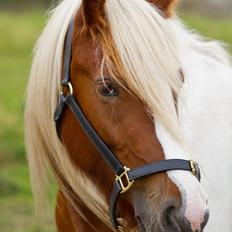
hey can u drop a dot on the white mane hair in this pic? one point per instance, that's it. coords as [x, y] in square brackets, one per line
[147, 48]
[150, 49]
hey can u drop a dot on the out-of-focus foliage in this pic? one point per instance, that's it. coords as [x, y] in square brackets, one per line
[18, 4]
[18, 34]
[213, 7]
[25, 2]
[213, 28]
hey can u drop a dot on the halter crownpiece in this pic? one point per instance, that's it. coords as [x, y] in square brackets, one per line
[125, 177]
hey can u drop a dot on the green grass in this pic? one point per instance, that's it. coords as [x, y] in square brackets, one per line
[18, 34]
[220, 29]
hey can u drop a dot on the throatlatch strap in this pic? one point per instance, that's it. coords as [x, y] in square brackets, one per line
[143, 171]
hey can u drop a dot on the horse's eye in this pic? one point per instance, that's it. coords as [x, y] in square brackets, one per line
[107, 89]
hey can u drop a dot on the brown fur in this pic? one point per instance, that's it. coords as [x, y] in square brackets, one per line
[167, 6]
[93, 15]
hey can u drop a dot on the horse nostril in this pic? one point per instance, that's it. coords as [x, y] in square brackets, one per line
[173, 219]
[187, 224]
[206, 219]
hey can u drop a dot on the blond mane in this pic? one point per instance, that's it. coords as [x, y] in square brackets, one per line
[146, 47]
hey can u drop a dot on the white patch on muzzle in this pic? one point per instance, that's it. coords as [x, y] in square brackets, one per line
[194, 199]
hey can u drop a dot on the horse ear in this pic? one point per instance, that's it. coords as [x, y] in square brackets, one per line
[167, 6]
[93, 13]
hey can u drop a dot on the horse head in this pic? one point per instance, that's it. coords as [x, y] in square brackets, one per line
[126, 77]
[114, 101]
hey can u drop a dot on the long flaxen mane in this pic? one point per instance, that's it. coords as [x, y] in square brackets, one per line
[146, 45]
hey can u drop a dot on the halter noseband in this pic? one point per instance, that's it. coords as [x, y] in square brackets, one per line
[125, 177]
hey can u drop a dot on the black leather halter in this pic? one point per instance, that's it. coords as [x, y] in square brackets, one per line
[124, 176]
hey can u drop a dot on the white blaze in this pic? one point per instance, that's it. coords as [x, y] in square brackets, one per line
[194, 199]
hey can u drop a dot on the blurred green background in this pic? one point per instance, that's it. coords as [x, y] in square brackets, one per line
[19, 28]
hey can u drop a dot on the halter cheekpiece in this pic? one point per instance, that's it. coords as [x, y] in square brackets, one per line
[125, 177]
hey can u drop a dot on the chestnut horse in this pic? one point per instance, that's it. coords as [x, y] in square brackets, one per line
[152, 91]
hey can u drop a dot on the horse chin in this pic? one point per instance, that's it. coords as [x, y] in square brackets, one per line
[141, 225]
[145, 226]
[148, 224]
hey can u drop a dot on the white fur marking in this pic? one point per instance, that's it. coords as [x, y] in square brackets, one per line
[193, 196]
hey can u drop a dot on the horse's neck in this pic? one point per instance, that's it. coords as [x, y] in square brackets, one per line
[205, 111]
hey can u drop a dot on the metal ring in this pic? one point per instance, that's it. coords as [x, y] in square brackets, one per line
[69, 87]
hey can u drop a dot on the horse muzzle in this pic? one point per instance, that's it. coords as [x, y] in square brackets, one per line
[169, 218]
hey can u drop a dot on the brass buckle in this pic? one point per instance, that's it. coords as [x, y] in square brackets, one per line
[69, 87]
[127, 186]
[193, 167]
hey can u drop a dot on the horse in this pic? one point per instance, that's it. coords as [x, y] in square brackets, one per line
[128, 81]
